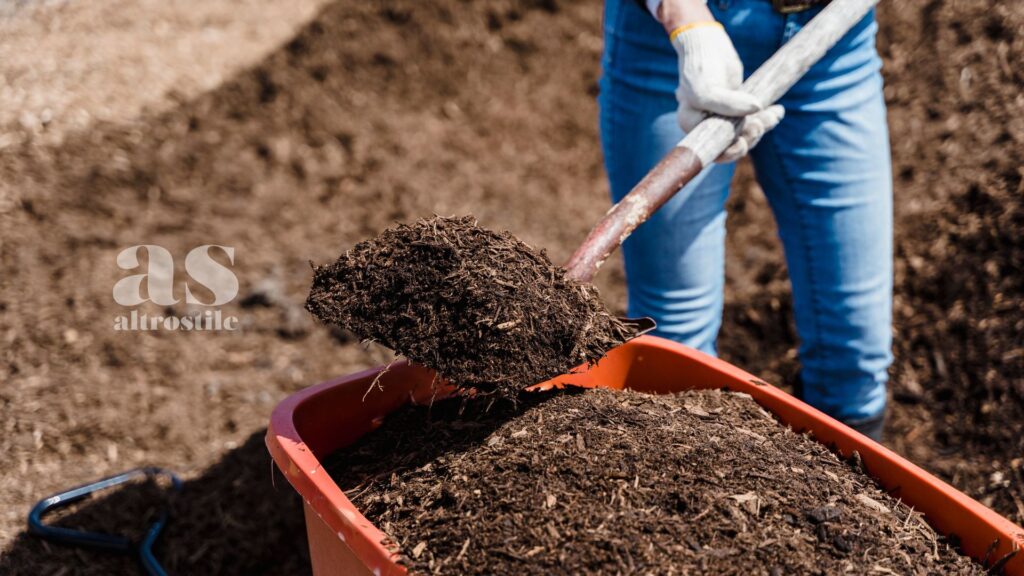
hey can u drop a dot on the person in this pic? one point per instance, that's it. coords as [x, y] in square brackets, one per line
[821, 156]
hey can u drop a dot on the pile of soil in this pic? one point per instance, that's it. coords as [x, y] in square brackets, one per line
[617, 482]
[482, 308]
[959, 162]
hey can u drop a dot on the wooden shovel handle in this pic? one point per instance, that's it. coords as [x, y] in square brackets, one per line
[713, 135]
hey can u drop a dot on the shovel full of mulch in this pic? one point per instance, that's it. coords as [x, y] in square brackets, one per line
[482, 308]
[488, 312]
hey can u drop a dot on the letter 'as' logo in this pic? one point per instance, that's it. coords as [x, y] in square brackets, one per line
[159, 277]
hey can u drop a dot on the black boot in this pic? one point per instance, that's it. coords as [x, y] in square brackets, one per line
[871, 427]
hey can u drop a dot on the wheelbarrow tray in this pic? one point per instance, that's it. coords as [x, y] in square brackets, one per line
[315, 422]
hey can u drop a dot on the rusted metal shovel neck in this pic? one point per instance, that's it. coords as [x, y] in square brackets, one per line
[668, 176]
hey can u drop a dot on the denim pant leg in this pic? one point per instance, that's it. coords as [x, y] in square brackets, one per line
[675, 261]
[827, 176]
[826, 172]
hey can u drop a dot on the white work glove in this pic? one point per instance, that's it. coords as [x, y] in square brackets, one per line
[710, 75]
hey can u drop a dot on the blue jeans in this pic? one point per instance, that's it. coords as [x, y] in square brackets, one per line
[825, 171]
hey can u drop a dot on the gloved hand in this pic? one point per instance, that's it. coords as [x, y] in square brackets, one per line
[710, 75]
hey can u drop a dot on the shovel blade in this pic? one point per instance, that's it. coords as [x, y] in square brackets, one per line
[640, 326]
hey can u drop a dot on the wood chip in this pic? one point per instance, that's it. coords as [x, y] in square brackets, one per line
[534, 551]
[696, 410]
[418, 550]
[553, 532]
[872, 503]
[749, 501]
[752, 434]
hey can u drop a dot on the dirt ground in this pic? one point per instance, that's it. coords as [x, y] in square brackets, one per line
[292, 131]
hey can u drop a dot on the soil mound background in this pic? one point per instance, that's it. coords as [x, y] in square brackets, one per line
[371, 114]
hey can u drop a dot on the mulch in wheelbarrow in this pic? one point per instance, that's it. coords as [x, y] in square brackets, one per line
[605, 482]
